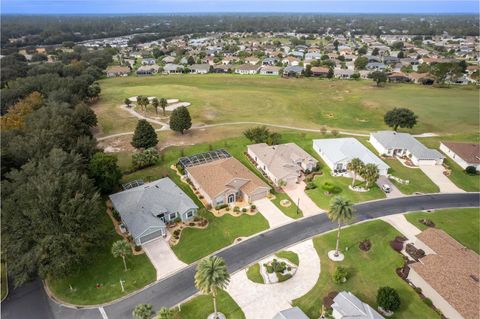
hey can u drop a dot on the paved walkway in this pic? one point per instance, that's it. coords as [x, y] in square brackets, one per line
[435, 173]
[298, 195]
[272, 213]
[261, 301]
[162, 257]
[394, 191]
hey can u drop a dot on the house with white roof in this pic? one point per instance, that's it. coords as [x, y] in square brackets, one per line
[282, 163]
[403, 144]
[338, 152]
[346, 305]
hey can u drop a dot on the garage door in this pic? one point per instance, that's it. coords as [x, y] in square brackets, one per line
[427, 162]
[151, 236]
[258, 196]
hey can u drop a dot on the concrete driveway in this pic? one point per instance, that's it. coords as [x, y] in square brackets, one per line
[261, 301]
[162, 257]
[272, 213]
[435, 173]
[298, 195]
[394, 191]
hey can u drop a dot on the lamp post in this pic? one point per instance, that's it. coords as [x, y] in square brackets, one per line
[298, 205]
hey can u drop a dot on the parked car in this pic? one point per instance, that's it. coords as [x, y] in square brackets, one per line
[386, 188]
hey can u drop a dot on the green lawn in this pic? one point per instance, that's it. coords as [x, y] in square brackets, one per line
[4, 281]
[419, 182]
[221, 231]
[291, 211]
[105, 270]
[289, 255]
[469, 183]
[253, 273]
[201, 306]
[323, 201]
[461, 224]
[368, 271]
[307, 102]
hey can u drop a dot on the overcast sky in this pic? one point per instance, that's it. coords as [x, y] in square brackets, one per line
[184, 6]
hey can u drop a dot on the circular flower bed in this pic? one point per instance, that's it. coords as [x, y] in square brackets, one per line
[285, 203]
[277, 270]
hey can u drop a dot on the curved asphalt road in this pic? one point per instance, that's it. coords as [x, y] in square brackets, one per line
[31, 301]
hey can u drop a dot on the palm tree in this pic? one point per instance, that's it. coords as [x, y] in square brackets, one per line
[163, 104]
[165, 313]
[143, 311]
[341, 211]
[211, 275]
[355, 166]
[121, 248]
[370, 174]
[155, 104]
[145, 103]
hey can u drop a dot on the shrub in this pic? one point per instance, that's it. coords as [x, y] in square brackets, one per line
[222, 206]
[253, 207]
[244, 210]
[138, 248]
[388, 299]
[116, 215]
[340, 275]
[236, 209]
[200, 197]
[427, 222]
[176, 232]
[414, 252]
[428, 302]
[397, 244]
[180, 168]
[191, 224]
[269, 269]
[471, 170]
[365, 245]
[196, 219]
[331, 188]
[310, 185]
[148, 157]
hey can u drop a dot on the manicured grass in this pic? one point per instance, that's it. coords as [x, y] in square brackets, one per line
[289, 255]
[368, 271]
[105, 270]
[4, 281]
[419, 182]
[461, 224]
[307, 102]
[469, 183]
[323, 201]
[291, 211]
[201, 306]
[221, 231]
[253, 273]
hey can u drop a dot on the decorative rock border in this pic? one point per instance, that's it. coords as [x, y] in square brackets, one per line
[358, 189]
[331, 255]
[285, 203]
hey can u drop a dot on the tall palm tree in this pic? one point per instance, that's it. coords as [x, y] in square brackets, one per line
[341, 211]
[355, 166]
[370, 174]
[164, 313]
[121, 248]
[155, 104]
[211, 275]
[163, 104]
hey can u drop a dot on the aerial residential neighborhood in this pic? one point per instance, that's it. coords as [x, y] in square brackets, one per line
[240, 160]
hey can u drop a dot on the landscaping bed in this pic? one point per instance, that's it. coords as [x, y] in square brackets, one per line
[276, 270]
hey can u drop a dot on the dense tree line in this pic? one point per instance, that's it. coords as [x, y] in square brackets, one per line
[52, 173]
[47, 30]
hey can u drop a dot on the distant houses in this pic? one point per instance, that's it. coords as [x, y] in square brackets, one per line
[117, 70]
[148, 69]
[464, 154]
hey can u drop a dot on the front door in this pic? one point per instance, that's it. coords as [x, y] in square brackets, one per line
[162, 217]
[231, 198]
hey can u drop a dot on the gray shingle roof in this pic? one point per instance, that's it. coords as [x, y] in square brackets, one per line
[292, 313]
[350, 306]
[395, 140]
[138, 205]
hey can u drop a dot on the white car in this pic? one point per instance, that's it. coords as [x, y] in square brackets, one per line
[386, 188]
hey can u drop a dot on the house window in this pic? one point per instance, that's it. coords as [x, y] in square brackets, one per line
[173, 215]
[190, 214]
[231, 198]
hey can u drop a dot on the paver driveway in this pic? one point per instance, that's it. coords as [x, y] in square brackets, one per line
[162, 257]
[298, 195]
[261, 301]
[272, 213]
[435, 173]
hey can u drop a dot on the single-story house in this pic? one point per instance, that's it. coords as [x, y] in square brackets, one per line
[270, 61]
[319, 71]
[172, 68]
[398, 77]
[252, 60]
[421, 78]
[145, 209]
[117, 70]
[403, 144]
[269, 70]
[168, 59]
[313, 56]
[338, 152]
[148, 61]
[346, 306]
[148, 69]
[282, 163]
[343, 73]
[199, 68]
[449, 277]
[246, 69]
[291, 313]
[222, 68]
[376, 66]
[293, 71]
[290, 60]
[226, 181]
[464, 154]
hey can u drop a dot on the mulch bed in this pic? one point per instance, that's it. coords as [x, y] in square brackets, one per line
[328, 300]
[427, 222]
[365, 245]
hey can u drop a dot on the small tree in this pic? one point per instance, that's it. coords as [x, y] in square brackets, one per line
[355, 166]
[121, 248]
[127, 102]
[388, 299]
[155, 104]
[144, 136]
[148, 157]
[330, 73]
[379, 77]
[104, 170]
[163, 104]
[400, 117]
[143, 311]
[165, 313]
[340, 275]
[180, 120]
[471, 170]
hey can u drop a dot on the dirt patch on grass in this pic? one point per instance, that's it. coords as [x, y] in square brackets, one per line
[209, 114]
[370, 104]
[117, 144]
